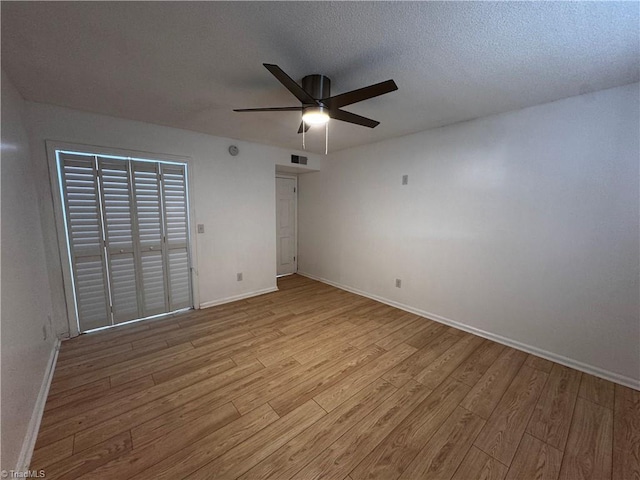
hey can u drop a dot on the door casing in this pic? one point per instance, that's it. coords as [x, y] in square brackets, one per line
[52, 147]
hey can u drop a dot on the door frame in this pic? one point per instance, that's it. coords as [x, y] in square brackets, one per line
[288, 176]
[61, 228]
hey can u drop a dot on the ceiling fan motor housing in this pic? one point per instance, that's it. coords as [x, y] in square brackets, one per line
[318, 86]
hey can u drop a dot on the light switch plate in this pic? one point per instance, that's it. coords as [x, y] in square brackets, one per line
[201, 228]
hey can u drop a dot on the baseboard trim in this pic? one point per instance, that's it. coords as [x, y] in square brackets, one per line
[568, 362]
[29, 442]
[235, 298]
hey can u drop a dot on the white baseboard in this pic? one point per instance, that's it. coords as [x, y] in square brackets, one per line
[38, 410]
[554, 357]
[234, 298]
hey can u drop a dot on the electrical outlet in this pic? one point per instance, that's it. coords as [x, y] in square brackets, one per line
[405, 179]
[201, 228]
[239, 277]
[398, 283]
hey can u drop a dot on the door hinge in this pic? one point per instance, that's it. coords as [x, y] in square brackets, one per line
[294, 259]
[294, 189]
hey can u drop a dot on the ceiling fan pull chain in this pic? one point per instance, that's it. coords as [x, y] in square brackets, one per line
[304, 128]
[326, 138]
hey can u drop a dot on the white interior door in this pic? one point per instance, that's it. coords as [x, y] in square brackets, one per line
[86, 240]
[177, 261]
[120, 237]
[286, 216]
[148, 205]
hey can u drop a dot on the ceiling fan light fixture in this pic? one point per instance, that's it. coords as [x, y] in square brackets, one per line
[315, 116]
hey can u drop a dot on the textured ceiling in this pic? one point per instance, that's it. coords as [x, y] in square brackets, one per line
[188, 65]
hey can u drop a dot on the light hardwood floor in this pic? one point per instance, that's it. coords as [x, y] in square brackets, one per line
[314, 382]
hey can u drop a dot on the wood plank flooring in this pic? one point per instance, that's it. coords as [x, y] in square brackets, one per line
[314, 382]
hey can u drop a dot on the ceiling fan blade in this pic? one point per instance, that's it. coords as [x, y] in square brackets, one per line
[353, 118]
[360, 94]
[299, 92]
[269, 109]
[306, 127]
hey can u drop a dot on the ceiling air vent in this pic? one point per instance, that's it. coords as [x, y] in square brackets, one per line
[299, 159]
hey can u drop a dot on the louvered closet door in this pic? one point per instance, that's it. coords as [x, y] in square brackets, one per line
[119, 225]
[148, 208]
[84, 228]
[127, 224]
[174, 193]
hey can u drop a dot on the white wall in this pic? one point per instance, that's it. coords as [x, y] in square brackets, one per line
[25, 310]
[522, 225]
[234, 197]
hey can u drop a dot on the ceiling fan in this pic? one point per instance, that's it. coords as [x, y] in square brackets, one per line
[317, 103]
